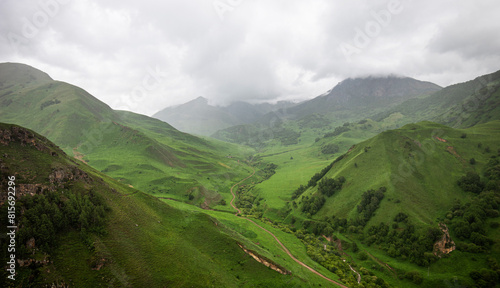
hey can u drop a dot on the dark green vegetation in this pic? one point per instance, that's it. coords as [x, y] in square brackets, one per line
[421, 168]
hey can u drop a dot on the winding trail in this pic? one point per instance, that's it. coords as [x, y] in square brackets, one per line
[276, 238]
[359, 275]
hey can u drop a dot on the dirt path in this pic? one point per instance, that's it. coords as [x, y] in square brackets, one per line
[385, 265]
[238, 211]
[359, 275]
[276, 238]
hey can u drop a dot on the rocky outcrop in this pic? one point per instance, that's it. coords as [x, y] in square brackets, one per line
[25, 137]
[61, 176]
[444, 245]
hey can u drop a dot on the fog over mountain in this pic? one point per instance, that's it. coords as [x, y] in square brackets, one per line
[198, 116]
[149, 55]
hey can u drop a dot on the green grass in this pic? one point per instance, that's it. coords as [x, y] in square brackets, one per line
[147, 242]
[260, 241]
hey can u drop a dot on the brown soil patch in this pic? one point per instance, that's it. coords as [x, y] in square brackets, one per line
[266, 262]
[452, 151]
[440, 139]
[77, 155]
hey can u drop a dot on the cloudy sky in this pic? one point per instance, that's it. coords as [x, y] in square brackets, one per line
[146, 55]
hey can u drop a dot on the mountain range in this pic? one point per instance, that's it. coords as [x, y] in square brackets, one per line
[91, 131]
[354, 188]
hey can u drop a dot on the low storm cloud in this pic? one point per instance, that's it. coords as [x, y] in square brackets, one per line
[145, 55]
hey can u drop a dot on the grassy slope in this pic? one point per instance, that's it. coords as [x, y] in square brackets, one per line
[148, 243]
[308, 158]
[420, 175]
[460, 105]
[417, 169]
[140, 151]
[266, 246]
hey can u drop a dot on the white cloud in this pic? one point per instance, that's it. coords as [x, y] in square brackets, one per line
[260, 50]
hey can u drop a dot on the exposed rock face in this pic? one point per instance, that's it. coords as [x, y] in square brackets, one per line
[61, 176]
[445, 245]
[24, 137]
[30, 189]
[266, 262]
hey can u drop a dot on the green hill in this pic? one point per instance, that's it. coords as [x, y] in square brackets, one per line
[121, 144]
[403, 183]
[80, 228]
[461, 105]
[418, 169]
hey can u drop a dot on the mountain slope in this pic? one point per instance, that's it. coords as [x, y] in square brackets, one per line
[350, 100]
[121, 144]
[199, 117]
[404, 186]
[460, 105]
[419, 165]
[120, 238]
[365, 95]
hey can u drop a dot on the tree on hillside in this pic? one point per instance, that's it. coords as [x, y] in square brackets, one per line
[471, 183]
[328, 186]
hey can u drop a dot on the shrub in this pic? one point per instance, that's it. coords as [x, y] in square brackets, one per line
[471, 183]
[330, 149]
[362, 256]
[414, 276]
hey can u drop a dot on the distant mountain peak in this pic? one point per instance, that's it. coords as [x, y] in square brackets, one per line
[378, 76]
[365, 93]
[200, 99]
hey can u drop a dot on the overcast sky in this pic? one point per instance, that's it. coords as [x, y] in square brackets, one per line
[145, 55]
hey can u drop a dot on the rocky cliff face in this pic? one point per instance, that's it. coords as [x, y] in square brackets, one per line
[31, 181]
[25, 137]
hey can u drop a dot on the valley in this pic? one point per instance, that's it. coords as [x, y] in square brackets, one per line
[353, 188]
